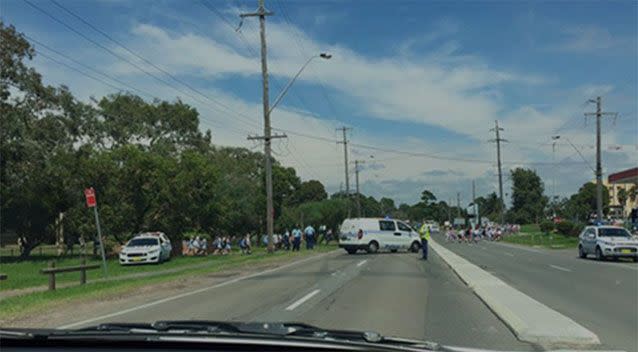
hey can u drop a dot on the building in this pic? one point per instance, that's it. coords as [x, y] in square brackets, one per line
[627, 180]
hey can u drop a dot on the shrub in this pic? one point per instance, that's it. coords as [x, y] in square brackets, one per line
[547, 227]
[577, 229]
[565, 228]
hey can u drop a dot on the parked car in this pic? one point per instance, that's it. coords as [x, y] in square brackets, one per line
[607, 242]
[374, 234]
[149, 247]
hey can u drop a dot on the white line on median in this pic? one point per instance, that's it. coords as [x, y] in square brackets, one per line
[509, 254]
[362, 262]
[560, 268]
[186, 294]
[301, 300]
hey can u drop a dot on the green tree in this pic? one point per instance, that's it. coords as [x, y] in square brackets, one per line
[528, 201]
[308, 191]
[623, 195]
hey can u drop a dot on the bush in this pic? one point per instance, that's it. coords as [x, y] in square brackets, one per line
[567, 228]
[577, 229]
[547, 227]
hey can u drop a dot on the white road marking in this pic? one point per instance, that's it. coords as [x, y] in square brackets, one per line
[190, 293]
[560, 268]
[362, 262]
[301, 300]
[483, 247]
[508, 254]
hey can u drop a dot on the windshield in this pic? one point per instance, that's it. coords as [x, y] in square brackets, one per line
[139, 242]
[607, 232]
[430, 170]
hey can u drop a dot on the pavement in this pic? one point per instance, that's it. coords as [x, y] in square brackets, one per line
[601, 296]
[392, 293]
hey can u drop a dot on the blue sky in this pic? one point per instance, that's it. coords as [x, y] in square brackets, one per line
[415, 76]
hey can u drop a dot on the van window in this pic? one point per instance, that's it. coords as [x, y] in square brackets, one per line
[404, 227]
[386, 225]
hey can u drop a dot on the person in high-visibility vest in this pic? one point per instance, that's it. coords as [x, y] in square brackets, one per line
[424, 232]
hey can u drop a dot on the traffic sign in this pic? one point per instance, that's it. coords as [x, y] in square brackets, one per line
[89, 194]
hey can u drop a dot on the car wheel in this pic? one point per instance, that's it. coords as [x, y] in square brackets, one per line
[581, 252]
[393, 250]
[599, 254]
[415, 247]
[351, 250]
[373, 247]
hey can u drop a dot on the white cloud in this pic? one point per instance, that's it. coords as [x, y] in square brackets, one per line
[590, 39]
[463, 96]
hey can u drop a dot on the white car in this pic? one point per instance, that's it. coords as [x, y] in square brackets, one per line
[150, 247]
[373, 234]
[607, 242]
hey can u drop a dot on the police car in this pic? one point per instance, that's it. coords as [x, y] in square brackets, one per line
[607, 242]
[374, 234]
[149, 247]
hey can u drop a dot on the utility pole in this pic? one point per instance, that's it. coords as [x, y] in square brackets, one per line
[267, 137]
[599, 167]
[498, 141]
[356, 172]
[474, 202]
[458, 204]
[344, 129]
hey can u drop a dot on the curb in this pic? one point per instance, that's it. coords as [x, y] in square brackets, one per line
[530, 320]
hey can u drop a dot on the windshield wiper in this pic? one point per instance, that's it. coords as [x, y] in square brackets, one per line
[274, 329]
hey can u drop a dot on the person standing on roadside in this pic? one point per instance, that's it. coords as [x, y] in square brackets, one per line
[424, 233]
[310, 237]
[296, 238]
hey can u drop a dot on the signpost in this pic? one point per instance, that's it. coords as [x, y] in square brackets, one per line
[91, 202]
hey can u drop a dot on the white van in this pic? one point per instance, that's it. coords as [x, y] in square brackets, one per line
[373, 234]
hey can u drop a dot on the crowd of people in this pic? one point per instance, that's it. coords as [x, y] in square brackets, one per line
[473, 234]
[288, 240]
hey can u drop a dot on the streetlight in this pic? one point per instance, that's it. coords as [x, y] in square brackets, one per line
[267, 134]
[324, 56]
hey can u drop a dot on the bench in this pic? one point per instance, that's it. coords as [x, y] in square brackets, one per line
[52, 270]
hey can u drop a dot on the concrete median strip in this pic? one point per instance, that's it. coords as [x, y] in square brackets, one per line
[530, 320]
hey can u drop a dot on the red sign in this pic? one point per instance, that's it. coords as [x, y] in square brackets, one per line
[89, 193]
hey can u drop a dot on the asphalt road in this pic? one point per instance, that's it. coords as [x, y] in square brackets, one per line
[601, 296]
[391, 293]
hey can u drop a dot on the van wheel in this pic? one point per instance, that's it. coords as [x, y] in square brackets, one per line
[351, 250]
[599, 254]
[373, 247]
[415, 247]
[581, 252]
[393, 250]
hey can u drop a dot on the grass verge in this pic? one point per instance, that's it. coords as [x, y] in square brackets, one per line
[13, 307]
[551, 241]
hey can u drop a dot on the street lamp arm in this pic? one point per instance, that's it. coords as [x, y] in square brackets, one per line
[289, 84]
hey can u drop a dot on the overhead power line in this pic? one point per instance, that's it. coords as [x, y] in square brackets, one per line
[106, 35]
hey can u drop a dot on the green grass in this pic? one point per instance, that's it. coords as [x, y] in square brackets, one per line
[530, 228]
[552, 241]
[27, 273]
[12, 307]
